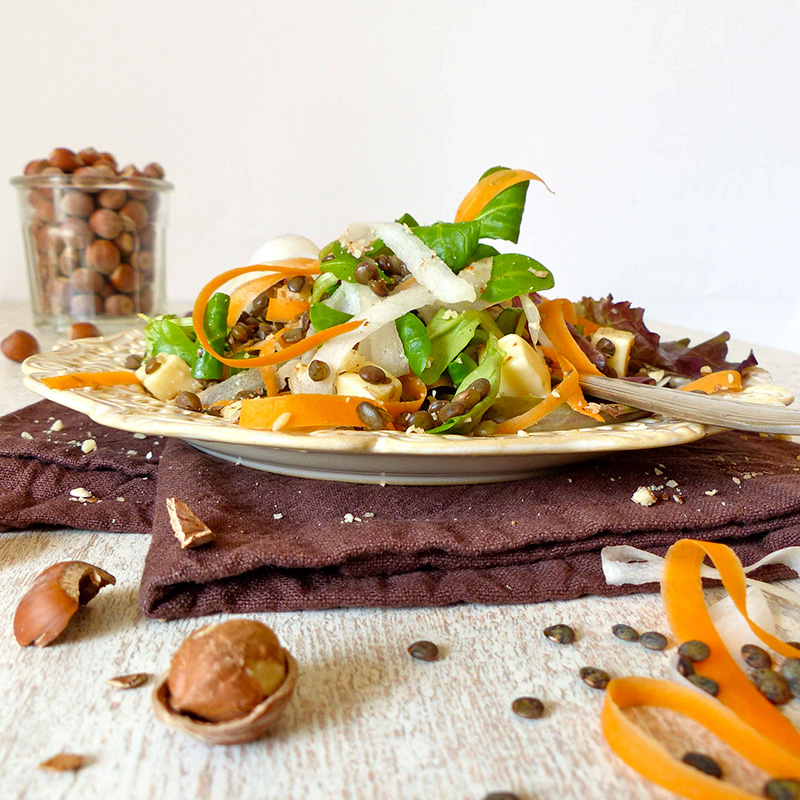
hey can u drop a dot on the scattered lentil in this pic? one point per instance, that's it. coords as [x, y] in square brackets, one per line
[365, 272]
[595, 677]
[294, 335]
[704, 763]
[423, 651]
[782, 789]
[560, 634]
[528, 707]
[188, 401]
[151, 365]
[421, 419]
[373, 374]
[685, 666]
[652, 640]
[501, 796]
[790, 670]
[756, 657]
[318, 370]
[706, 684]
[296, 284]
[772, 685]
[372, 416]
[625, 632]
[133, 362]
[694, 650]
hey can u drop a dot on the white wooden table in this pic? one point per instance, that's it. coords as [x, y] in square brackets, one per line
[366, 720]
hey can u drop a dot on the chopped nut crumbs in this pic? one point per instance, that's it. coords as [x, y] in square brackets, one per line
[80, 492]
[277, 516]
[643, 496]
[368, 514]
[348, 518]
[711, 492]
[139, 436]
[672, 484]
[26, 435]
[88, 445]
[282, 421]
[658, 471]
[58, 425]
[131, 452]
[706, 370]
[736, 480]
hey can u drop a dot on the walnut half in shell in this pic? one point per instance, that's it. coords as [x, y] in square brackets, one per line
[227, 684]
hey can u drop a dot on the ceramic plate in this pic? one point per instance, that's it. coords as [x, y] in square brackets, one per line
[354, 456]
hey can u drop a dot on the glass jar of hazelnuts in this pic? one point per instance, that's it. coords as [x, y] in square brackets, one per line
[94, 238]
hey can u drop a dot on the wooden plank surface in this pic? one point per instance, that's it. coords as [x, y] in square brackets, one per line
[366, 721]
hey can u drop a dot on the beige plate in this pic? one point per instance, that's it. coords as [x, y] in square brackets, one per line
[354, 456]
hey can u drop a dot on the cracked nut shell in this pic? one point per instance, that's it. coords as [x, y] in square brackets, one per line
[56, 594]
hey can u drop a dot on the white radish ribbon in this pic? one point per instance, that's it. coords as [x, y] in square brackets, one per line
[623, 564]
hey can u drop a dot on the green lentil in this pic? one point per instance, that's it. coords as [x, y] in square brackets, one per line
[782, 789]
[790, 669]
[695, 650]
[703, 763]
[706, 684]
[653, 641]
[528, 707]
[772, 685]
[560, 634]
[626, 633]
[423, 651]
[756, 657]
[595, 677]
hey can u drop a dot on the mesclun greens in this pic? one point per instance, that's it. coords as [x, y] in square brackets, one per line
[172, 335]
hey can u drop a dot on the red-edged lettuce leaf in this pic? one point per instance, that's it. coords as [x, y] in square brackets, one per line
[649, 352]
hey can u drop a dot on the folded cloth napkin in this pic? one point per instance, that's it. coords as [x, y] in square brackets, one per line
[287, 543]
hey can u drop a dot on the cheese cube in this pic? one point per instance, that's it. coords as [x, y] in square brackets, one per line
[622, 341]
[351, 383]
[524, 370]
[173, 376]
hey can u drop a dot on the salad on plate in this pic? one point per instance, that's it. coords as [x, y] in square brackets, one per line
[427, 329]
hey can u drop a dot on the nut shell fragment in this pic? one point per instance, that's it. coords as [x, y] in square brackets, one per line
[189, 529]
[236, 731]
[132, 681]
[63, 762]
[56, 594]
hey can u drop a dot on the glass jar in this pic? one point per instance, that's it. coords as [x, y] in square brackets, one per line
[95, 247]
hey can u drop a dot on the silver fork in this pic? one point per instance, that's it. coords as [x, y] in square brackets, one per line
[695, 407]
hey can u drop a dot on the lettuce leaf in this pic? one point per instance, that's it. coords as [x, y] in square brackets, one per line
[649, 352]
[513, 275]
[323, 316]
[453, 242]
[449, 333]
[172, 335]
[489, 368]
[501, 217]
[416, 343]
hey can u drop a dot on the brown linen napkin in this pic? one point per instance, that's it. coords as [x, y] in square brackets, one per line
[287, 543]
[42, 459]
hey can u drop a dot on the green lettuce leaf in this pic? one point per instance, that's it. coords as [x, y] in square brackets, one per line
[501, 217]
[172, 335]
[453, 242]
[416, 344]
[489, 368]
[323, 316]
[460, 367]
[513, 275]
[448, 335]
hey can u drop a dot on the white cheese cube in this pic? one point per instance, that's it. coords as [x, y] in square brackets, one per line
[524, 370]
[622, 341]
[351, 383]
[173, 376]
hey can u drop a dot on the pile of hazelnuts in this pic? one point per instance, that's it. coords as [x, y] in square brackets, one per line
[90, 233]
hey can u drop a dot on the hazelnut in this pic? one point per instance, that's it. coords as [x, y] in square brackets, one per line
[106, 290]
[58, 293]
[50, 171]
[227, 683]
[18, 345]
[69, 261]
[143, 261]
[118, 305]
[35, 167]
[76, 233]
[145, 304]
[65, 159]
[85, 305]
[112, 198]
[77, 203]
[125, 242]
[106, 223]
[88, 179]
[87, 280]
[56, 594]
[104, 256]
[43, 205]
[107, 158]
[105, 170]
[83, 330]
[154, 170]
[147, 235]
[136, 210]
[89, 155]
[129, 171]
[124, 278]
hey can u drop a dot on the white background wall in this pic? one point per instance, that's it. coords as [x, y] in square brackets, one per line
[669, 131]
